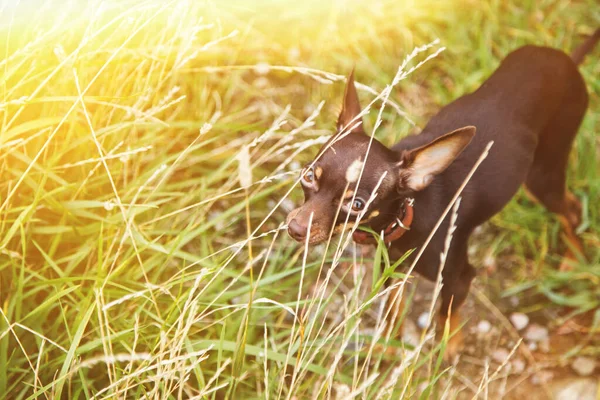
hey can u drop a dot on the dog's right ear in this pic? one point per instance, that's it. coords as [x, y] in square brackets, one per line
[348, 121]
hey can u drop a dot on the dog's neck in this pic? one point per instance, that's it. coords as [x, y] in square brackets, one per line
[394, 230]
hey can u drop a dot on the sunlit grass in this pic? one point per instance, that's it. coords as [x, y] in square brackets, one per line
[126, 267]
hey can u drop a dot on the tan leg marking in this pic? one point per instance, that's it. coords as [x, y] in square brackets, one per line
[569, 221]
[573, 241]
[456, 340]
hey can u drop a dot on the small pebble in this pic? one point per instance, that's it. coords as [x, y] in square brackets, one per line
[541, 377]
[484, 326]
[545, 345]
[532, 346]
[500, 355]
[470, 350]
[576, 388]
[584, 366]
[422, 320]
[519, 320]
[536, 333]
[518, 365]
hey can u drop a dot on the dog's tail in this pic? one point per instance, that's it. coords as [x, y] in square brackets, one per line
[579, 54]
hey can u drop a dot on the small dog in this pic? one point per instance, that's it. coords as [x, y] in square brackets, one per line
[531, 107]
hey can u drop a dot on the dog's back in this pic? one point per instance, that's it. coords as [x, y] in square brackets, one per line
[531, 107]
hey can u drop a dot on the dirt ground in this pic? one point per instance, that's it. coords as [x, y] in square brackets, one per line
[538, 369]
[545, 365]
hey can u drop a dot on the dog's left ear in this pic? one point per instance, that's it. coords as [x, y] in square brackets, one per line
[348, 121]
[418, 167]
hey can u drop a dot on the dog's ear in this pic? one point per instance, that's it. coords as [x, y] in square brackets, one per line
[419, 166]
[347, 120]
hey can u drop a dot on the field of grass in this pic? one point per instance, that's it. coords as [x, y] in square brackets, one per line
[149, 153]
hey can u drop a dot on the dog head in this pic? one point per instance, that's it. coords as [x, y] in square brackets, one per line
[356, 179]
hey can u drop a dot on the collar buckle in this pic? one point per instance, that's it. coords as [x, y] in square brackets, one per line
[399, 226]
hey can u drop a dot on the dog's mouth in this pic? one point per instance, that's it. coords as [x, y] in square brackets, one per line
[360, 236]
[318, 234]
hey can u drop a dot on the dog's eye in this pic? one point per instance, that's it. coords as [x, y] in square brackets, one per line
[358, 205]
[309, 175]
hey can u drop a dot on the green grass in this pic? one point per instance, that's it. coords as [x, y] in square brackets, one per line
[125, 265]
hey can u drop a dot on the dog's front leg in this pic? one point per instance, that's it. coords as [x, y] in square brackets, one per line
[454, 293]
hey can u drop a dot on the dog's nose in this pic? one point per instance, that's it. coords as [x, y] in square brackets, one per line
[296, 230]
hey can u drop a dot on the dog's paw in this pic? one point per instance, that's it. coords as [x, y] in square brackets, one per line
[454, 347]
[455, 340]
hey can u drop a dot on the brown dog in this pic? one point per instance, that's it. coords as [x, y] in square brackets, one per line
[531, 107]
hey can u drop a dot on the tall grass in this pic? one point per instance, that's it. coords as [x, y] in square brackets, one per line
[148, 157]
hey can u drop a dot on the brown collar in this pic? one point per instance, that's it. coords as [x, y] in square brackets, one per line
[394, 230]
